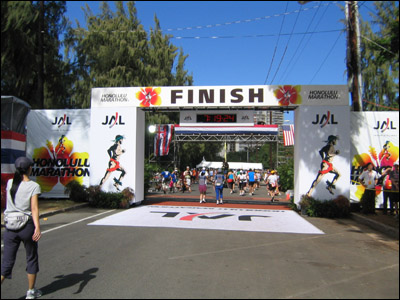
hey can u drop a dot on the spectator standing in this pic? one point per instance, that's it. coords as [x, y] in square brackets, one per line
[22, 195]
[203, 186]
[188, 179]
[369, 179]
[219, 181]
[387, 187]
[394, 195]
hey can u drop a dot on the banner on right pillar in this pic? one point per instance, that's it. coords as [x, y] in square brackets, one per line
[322, 152]
[375, 139]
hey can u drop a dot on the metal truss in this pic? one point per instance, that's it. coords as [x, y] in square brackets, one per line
[229, 138]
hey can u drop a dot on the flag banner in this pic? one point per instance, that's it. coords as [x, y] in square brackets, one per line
[288, 135]
[162, 139]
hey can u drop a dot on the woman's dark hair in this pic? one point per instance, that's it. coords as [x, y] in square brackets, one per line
[18, 176]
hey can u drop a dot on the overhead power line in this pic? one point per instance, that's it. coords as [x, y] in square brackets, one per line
[276, 45]
[231, 22]
[223, 36]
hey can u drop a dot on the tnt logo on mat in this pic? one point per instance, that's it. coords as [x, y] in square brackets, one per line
[215, 218]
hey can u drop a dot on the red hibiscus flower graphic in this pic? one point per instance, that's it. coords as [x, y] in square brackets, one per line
[58, 164]
[288, 94]
[149, 96]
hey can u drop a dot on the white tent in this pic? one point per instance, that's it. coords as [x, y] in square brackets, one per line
[232, 165]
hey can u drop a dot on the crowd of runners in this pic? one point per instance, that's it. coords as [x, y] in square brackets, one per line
[237, 181]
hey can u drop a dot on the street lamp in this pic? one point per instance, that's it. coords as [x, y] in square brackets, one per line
[152, 128]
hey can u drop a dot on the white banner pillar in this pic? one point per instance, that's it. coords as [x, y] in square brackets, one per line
[322, 152]
[117, 149]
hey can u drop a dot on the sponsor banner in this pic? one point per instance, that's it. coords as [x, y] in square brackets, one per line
[57, 141]
[115, 143]
[322, 152]
[214, 218]
[375, 139]
[217, 96]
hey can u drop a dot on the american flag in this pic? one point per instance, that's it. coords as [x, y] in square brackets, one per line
[288, 135]
[162, 139]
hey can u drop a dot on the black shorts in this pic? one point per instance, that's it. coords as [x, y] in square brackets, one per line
[12, 240]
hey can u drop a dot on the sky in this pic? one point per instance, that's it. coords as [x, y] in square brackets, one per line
[250, 42]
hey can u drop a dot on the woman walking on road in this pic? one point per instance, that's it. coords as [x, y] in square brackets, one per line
[219, 186]
[22, 196]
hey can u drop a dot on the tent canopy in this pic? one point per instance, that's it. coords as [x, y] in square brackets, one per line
[232, 165]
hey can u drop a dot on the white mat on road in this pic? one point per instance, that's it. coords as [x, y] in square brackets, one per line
[217, 218]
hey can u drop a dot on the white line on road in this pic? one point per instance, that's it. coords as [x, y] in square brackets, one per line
[81, 220]
[65, 225]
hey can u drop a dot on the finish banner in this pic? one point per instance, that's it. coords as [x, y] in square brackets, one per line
[58, 143]
[221, 96]
[375, 139]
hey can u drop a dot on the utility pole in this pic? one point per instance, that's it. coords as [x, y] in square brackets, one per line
[353, 55]
[40, 91]
[354, 80]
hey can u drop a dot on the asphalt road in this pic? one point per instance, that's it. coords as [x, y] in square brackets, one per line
[88, 262]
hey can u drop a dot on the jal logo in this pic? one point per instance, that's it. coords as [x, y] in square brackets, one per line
[188, 118]
[60, 121]
[245, 118]
[205, 216]
[385, 125]
[113, 120]
[325, 119]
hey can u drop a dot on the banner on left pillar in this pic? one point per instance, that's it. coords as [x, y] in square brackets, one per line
[58, 143]
[113, 148]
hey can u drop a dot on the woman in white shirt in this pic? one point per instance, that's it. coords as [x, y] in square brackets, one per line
[22, 195]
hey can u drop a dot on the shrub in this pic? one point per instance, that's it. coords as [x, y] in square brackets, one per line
[98, 198]
[336, 208]
[76, 191]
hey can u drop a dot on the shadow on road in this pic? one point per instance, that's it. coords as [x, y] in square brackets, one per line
[66, 281]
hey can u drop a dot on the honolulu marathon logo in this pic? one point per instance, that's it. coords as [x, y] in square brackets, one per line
[149, 96]
[288, 94]
[59, 164]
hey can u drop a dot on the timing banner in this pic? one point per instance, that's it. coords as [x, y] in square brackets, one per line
[57, 141]
[116, 148]
[322, 154]
[375, 139]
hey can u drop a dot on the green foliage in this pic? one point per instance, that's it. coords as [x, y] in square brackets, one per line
[20, 53]
[336, 208]
[98, 198]
[76, 191]
[149, 170]
[380, 57]
[116, 51]
[286, 175]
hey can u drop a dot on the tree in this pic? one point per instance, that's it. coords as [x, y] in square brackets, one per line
[21, 70]
[116, 51]
[380, 57]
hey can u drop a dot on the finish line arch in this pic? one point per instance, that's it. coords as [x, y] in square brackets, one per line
[117, 128]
